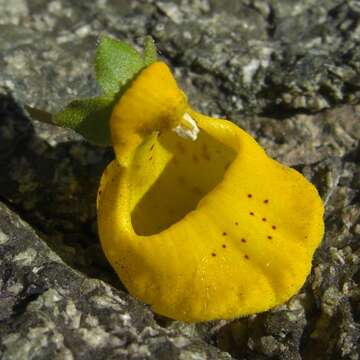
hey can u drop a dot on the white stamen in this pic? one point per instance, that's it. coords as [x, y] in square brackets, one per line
[188, 128]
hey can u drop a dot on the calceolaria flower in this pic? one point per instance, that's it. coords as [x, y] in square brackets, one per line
[195, 218]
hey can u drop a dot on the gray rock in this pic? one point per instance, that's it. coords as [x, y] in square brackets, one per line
[286, 71]
[50, 311]
[265, 57]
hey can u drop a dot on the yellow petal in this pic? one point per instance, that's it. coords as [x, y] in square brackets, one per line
[207, 229]
[153, 101]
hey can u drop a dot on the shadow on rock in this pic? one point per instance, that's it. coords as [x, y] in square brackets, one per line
[50, 177]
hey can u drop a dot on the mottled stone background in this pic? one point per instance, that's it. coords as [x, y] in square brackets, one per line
[288, 71]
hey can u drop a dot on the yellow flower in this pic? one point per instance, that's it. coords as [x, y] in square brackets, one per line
[194, 217]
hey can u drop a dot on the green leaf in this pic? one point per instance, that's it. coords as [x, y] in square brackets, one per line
[88, 117]
[116, 63]
[150, 53]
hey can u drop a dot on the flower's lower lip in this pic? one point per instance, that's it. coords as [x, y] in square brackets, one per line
[238, 240]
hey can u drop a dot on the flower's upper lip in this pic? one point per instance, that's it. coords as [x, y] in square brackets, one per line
[155, 101]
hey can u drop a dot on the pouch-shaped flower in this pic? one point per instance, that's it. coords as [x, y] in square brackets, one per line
[194, 217]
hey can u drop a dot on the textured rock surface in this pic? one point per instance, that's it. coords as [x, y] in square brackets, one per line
[294, 66]
[50, 311]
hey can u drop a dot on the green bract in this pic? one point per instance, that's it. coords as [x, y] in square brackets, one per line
[116, 65]
[88, 117]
